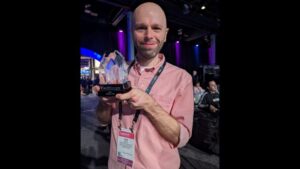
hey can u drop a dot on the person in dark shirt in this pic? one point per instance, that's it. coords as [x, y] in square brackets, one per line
[210, 108]
[210, 102]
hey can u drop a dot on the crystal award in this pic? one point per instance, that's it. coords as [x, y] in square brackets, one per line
[113, 75]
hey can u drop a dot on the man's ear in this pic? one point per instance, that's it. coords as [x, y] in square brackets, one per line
[167, 30]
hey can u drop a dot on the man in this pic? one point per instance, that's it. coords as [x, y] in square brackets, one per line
[166, 113]
[211, 100]
[195, 77]
[210, 107]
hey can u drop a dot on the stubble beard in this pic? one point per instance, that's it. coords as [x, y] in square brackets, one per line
[149, 53]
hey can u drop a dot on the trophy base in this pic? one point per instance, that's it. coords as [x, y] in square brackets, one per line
[113, 89]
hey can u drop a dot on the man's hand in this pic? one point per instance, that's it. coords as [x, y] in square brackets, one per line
[137, 99]
[165, 124]
[105, 101]
[212, 108]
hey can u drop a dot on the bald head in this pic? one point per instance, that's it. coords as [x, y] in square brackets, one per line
[150, 30]
[149, 9]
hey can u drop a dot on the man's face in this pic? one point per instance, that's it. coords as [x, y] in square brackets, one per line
[212, 86]
[149, 30]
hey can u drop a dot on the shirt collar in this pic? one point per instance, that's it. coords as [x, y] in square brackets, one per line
[137, 66]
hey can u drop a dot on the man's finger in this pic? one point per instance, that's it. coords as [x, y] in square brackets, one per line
[125, 96]
[133, 86]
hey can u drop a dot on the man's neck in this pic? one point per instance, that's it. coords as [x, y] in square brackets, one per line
[147, 62]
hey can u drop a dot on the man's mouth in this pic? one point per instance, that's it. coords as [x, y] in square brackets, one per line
[148, 44]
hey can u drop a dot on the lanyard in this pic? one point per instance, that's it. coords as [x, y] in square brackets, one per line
[137, 113]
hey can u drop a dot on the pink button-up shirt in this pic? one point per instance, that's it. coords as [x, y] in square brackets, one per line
[173, 90]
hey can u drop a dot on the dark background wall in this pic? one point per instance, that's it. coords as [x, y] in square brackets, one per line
[100, 38]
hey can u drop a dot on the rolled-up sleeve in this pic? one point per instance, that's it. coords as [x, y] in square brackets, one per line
[183, 111]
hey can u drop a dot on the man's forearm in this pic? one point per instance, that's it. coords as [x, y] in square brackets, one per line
[166, 125]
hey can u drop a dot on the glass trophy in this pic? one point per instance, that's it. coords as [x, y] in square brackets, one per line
[113, 75]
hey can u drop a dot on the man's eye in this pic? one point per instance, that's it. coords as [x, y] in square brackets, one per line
[140, 28]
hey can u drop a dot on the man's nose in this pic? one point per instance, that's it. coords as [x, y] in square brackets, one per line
[149, 33]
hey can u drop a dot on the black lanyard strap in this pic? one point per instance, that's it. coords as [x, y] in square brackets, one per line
[137, 113]
[120, 114]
